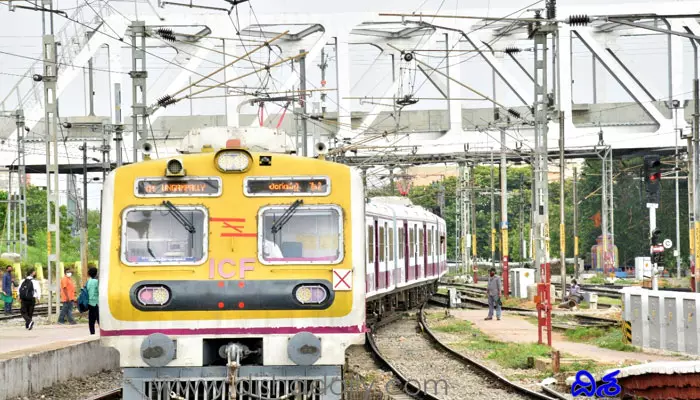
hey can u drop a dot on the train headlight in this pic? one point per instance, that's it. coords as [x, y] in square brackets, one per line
[174, 168]
[153, 295]
[233, 160]
[310, 294]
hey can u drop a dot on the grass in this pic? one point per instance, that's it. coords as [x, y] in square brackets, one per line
[609, 300]
[596, 280]
[442, 290]
[601, 337]
[517, 302]
[508, 355]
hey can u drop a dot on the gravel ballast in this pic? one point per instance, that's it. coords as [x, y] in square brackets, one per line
[413, 354]
[80, 388]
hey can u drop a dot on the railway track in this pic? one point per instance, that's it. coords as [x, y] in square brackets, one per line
[481, 292]
[583, 319]
[41, 310]
[474, 363]
[488, 376]
[114, 394]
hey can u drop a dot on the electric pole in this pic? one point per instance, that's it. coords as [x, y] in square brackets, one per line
[49, 78]
[475, 266]
[138, 83]
[84, 224]
[696, 182]
[562, 218]
[493, 226]
[323, 66]
[575, 201]
[466, 218]
[22, 180]
[540, 32]
[302, 98]
[504, 213]
[522, 223]
[459, 233]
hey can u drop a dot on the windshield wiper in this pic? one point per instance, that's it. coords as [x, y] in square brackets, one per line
[277, 226]
[179, 216]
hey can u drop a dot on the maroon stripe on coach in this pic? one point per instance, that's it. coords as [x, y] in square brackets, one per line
[236, 331]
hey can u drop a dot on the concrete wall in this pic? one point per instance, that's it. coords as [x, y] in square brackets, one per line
[29, 374]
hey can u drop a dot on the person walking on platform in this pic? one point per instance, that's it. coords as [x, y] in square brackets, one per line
[29, 294]
[93, 297]
[494, 290]
[7, 284]
[67, 298]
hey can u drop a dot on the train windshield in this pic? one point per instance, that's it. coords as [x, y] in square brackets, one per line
[156, 236]
[312, 235]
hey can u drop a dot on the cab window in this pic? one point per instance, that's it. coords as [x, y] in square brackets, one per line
[300, 235]
[163, 235]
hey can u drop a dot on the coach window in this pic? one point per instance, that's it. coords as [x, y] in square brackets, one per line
[164, 236]
[421, 242]
[411, 242]
[391, 244]
[304, 235]
[370, 244]
[430, 241]
[402, 242]
[381, 244]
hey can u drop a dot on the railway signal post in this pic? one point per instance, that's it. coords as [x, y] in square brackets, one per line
[652, 183]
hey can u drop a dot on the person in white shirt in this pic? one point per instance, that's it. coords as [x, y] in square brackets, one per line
[575, 292]
[30, 299]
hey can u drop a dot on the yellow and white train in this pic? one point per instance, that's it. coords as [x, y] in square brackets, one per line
[252, 272]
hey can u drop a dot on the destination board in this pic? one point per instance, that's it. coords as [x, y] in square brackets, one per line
[182, 187]
[287, 186]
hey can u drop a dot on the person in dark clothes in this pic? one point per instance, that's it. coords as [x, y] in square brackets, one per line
[494, 290]
[29, 298]
[93, 299]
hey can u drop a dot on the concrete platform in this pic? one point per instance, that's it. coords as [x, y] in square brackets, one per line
[514, 328]
[49, 354]
[16, 341]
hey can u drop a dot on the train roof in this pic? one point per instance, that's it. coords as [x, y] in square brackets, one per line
[401, 207]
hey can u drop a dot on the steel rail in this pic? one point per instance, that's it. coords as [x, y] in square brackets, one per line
[114, 394]
[478, 365]
[417, 392]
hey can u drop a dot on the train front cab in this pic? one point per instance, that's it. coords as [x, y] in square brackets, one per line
[208, 279]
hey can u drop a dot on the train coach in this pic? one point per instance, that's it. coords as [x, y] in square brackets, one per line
[244, 274]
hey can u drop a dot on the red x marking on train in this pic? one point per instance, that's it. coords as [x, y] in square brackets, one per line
[341, 280]
[231, 224]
